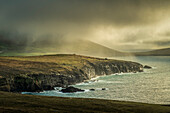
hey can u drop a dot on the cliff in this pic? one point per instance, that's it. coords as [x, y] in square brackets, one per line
[39, 73]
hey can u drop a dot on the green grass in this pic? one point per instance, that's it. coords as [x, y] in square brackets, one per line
[16, 103]
[73, 67]
[47, 64]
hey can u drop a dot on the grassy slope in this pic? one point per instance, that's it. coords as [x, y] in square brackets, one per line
[83, 47]
[159, 52]
[45, 64]
[34, 73]
[14, 103]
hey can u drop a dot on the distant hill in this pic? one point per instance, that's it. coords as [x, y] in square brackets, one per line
[158, 52]
[83, 47]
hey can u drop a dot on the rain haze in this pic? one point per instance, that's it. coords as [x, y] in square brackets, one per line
[124, 25]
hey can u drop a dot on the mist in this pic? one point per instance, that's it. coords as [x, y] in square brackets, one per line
[123, 25]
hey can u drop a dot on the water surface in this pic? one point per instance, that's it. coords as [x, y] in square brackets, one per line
[150, 86]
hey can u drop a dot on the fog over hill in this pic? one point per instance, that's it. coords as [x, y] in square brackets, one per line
[123, 25]
[46, 46]
[14, 43]
[158, 52]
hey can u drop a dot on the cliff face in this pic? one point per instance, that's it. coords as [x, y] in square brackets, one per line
[34, 81]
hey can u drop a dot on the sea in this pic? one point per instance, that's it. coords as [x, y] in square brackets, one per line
[151, 86]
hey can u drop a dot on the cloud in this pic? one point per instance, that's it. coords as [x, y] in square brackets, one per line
[167, 34]
[126, 20]
[117, 12]
[13, 38]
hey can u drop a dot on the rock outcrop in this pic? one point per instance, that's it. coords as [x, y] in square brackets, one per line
[16, 81]
[71, 90]
[92, 89]
[147, 67]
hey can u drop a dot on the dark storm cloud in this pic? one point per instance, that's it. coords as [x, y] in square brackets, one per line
[13, 38]
[76, 18]
[116, 12]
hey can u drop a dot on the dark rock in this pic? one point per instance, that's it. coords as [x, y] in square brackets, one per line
[5, 88]
[22, 83]
[147, 67]
[103, 88]
[92, 89]
[71, 89]
[48, 87]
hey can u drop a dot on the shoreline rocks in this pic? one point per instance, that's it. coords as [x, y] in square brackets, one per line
[71, 89]
[103, 88]
[91, 89]
[147, 67]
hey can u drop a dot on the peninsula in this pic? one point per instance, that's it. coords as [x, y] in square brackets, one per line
[38, 73]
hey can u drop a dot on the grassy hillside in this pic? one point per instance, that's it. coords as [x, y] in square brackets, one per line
[86, 47]
[159, 52]
[17, 103]
[47, 64]
[37, 73]
[83, 47]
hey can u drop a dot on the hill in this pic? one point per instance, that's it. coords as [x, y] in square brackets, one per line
[37, 73]
[83, 47]
[158, 52]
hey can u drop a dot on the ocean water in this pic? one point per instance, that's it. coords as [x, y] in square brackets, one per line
[150, 86]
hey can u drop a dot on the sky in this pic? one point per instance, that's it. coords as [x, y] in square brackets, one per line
[125, 25]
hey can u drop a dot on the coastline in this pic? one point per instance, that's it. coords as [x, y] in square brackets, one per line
[38, 73]
[86, 82]
[75, 104]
